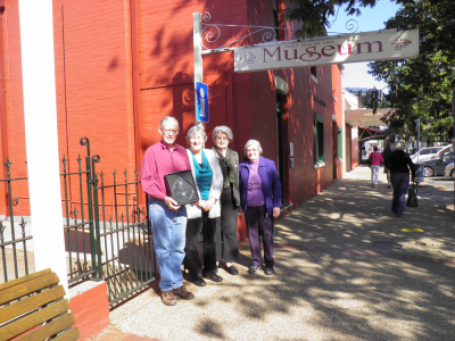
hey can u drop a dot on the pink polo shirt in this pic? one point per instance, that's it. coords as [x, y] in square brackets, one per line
[159, 161]
[376, 159]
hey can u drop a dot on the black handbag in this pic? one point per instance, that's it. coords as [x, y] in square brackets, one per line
[412, 197]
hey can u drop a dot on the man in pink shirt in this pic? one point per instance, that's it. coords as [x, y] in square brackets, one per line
[167, 218]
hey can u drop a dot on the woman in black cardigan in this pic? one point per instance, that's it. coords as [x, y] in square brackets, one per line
[230, 198]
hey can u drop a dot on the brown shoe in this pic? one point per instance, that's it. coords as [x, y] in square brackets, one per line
[183, 293]
[168, 298]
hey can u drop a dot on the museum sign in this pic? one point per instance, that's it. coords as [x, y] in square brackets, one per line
[348, 48]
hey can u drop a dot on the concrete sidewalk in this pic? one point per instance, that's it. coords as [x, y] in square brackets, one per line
[345, 270]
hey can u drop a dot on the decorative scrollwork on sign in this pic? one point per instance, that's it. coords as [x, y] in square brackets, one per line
[400, 43]
[212, 32]
[351, 25]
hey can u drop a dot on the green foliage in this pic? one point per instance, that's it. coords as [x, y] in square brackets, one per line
[313, 14]
[422, 87]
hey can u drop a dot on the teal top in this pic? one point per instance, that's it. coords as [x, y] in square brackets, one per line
[204, 175]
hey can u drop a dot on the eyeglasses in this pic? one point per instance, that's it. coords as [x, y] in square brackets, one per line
[251, 150]
[170, 131]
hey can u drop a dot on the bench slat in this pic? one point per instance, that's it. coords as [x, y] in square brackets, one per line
[30, 303]
[23, 279]
[46, 331]
[26, 323]
[71, 335]
[28, 287]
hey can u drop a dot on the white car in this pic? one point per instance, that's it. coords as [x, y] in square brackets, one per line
[449, 170]
[427, 153]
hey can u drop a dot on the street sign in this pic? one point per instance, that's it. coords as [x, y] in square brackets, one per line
[348, 48]
[202, 102]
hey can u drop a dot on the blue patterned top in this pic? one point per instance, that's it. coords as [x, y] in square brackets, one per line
[204, 175]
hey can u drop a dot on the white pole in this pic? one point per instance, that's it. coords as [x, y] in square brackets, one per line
[418, 140]
[197, 51]
[40, 112]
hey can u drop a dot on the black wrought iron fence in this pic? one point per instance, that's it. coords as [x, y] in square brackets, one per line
[14, 237]
[127, 256]
[107, 233]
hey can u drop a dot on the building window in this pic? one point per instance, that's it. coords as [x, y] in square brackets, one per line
[313, 71]
[276, 23]
[319, 157]
[340, 144]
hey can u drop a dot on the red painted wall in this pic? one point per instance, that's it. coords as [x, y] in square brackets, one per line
[93, 51]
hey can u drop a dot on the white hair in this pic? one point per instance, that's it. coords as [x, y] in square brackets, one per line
[399, 145]
[166, 119]
[224, 130]
[253, 142]
[194, 130]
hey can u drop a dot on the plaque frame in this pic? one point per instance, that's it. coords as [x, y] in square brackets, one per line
[185, 178]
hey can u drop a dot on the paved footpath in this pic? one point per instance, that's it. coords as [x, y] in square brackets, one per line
[345, 270]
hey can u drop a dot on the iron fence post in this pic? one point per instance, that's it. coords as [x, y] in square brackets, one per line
[99, 272]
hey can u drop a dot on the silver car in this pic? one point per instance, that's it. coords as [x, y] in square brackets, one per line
[449, 170]
[426, 153]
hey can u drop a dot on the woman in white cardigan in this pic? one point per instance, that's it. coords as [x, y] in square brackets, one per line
[206, 213]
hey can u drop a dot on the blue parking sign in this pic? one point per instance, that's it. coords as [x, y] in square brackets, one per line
[202, 95]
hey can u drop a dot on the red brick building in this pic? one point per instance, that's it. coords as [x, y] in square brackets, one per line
[121, 66]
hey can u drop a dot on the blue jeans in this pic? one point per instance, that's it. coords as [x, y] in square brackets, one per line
[400, 182]
[168, 229]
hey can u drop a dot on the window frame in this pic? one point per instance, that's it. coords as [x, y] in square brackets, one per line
[319, 155]
[340, 144]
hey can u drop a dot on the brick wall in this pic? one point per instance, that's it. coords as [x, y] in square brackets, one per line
[94, 87]
[90, 306]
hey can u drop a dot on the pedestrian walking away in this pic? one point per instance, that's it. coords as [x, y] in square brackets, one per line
[385, 154]
[205, 214]
[228, 245]
[167, 218]
[399, 164]
[260, 195]
[375, 164]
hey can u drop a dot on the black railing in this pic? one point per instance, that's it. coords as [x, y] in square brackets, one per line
[107, 233]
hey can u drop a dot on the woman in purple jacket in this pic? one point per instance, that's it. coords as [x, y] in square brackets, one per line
[260, 197]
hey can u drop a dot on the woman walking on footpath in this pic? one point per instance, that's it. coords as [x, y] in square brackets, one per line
[399, 163]
[229, 200]
[375, 164]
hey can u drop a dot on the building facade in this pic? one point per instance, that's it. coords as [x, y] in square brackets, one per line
[122, 66]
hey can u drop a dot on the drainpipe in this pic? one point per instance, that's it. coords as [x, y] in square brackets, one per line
[3, 122]
[136, 85]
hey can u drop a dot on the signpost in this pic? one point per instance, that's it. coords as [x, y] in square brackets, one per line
[347, 48]
[202, 102]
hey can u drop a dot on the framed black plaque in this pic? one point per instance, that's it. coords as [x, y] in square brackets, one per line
[182, 187]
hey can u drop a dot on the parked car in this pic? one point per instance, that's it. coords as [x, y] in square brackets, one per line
[426, 153]
[449, 170]
[446, 149]
[437, 166]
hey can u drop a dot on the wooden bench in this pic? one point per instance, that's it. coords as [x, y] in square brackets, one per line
[37, 307]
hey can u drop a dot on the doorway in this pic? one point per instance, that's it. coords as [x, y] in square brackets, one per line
[281, 148]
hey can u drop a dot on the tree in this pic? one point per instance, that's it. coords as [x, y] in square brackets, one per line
[422, 87]
[313, 14]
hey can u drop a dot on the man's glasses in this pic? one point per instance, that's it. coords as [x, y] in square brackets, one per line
[170, 131]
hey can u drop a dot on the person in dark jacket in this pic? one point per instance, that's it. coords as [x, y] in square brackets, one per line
[385, 154]
[229, 200]
[260, 197]
[399, 164]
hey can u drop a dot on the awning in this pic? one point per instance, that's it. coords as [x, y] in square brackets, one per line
[365, 117]
[366, 134]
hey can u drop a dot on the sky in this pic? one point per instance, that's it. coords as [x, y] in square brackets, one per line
[355, 75]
